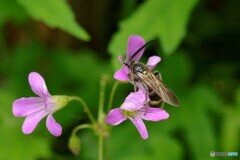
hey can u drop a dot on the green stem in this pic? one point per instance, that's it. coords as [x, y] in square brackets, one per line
[100, 147]
[103, 83]
[82, 126]
[112, 95]
[86, 109]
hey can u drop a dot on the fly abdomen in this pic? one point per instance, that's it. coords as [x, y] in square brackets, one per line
[155, 100]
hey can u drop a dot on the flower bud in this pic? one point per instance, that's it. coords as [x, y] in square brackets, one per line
[74, 144]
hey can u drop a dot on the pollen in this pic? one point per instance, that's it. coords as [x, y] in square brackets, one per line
[128, 113]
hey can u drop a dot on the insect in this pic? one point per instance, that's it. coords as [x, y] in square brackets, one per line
[154, 87]
[155, 100]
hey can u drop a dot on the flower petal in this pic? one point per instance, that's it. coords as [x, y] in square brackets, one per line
[137, 121]
[153, 61]
[38, 85]
[134, 43]
[124, 67]
[120, 58]
[135, 100]
[32, 120]
[26, 106]
[153, 114]
[121, 75]
[115, 117]
[54, 127]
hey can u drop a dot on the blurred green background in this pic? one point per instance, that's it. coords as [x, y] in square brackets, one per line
[73, 43]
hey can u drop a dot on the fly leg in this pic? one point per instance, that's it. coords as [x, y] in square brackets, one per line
[146, 97]
[134, 81]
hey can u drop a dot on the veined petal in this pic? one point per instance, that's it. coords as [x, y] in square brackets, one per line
[153, 114]
[138, 122]
[38, 85]
[54, 127]
[32, 120]
[26, 106]
[134, 101]
[121, 75]
[134, 43]
[115, 117]
[153, 61]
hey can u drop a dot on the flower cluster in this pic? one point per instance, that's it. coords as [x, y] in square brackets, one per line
[135, 107]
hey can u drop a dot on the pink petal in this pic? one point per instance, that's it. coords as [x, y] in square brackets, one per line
[53, 127]
[38, 85]
[115, 117]
[137, 121]
[26, 106]
[134, 101]
[153, 61]
[124, 67]
[32, 120]
[121, 75]
[120, 58]
[153, 114]
[134, 43]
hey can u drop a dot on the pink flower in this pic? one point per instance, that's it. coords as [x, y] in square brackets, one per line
[134, 43]
[36, 108]
[135, 110]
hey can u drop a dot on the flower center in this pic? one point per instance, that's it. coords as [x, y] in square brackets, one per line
[128, 113]
[50, 104]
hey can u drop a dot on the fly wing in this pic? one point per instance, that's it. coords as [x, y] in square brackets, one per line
[153, 83]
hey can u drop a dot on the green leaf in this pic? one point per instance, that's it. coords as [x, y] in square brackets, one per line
[197, 127]
[55, 13]
[230, 128]
[164, 19]
[158, 145]
[11, 10]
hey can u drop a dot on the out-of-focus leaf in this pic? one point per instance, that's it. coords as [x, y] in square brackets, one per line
[80, 75]
[230, 128]
[89, 145]
[176, 70]
[164, 19]
[14, 144]
[194, 122]
[157, 146]
[238, 97]
[55, 14]
[11, 11]
[24, 59]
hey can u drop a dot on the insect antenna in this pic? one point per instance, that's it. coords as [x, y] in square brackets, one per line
[141, 49]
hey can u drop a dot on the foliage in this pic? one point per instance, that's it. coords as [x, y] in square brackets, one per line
[155, 19]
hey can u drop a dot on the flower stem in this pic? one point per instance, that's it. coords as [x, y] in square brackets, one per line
[112, 95]
[103, 83]
[82, 126]
[101, 115]
[100, 147]
[86, 109]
